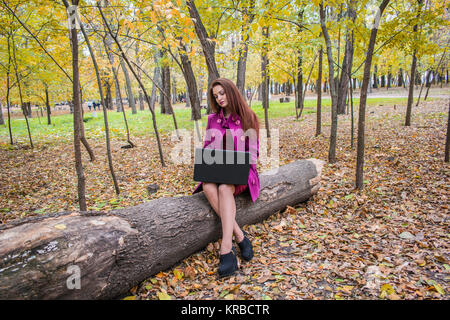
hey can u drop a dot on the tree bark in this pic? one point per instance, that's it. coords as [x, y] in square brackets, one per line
[207, 42]
[333, 89]
[138, 62]
[130, 96]
[117, 250]
[243, 49]
[265, 79]
[81, 186]
[411, 88]
[18, 81]
[299, 90]
[389, 79]
[158, 78]
[319, 95]
[437, 73]
[166, 88]
[302, 103]
[413, 75]
[47, 105]
[299, 85]
[375, 77]
[2, 120]
[363, 99]
[8, 70]
[192, 92]
[120, 106]
[400, 78]
[346, 64]
[102, 100]
[447, 139]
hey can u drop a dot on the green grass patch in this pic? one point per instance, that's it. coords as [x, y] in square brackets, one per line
[140, 124]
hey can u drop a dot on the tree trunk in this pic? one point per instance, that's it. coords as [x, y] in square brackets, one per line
[302, 103]
[421, 88]
[102, 100]
[157, 77]
[375, 77]
[130, 96]
[299, 90]
[8, 71]
[265, 79]
[108, 100]
[208, 45]
[191, 83]
[363, 99]
[243, 49]
[389, 79]
[319, 95]
[347, 63]
[167, 90]
[413, 74]
[24, 109]
[138, 62]
[2, 120]
[158, 140]
[119, 100]
[102, 255]
[352, 136]
[333, 89]
[120, 106]
[400, 78]
[437, 73]
[174, 91]
[411, 90]
[447, 139]
[47, 105]
[77, 114]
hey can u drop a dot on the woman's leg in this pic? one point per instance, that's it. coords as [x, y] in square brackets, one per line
[227, 209]
[212, 194]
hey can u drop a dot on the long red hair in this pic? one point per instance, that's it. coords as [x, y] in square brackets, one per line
[236, 104]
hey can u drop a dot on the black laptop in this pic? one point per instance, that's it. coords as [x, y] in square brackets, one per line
[221, 166]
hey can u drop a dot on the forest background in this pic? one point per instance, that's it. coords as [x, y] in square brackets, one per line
[313, 70]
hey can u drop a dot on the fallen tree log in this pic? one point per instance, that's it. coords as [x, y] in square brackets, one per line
[102, 255]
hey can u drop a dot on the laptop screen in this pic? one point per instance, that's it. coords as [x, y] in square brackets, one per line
[221, 166]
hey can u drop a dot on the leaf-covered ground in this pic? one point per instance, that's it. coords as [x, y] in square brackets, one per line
[389, 241]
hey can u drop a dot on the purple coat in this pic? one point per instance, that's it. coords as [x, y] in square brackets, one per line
[215, 130]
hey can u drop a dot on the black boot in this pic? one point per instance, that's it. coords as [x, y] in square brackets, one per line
[228, 263]
[246, 248]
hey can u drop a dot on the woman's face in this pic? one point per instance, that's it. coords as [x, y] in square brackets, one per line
[220, 96]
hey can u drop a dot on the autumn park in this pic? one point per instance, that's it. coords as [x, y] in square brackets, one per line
[103, 104]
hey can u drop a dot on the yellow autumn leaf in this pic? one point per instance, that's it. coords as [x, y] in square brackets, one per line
[60, 226]
[130, 298]
[153, 17]
[439, 289]
[385, 290]
[162, 295]
[178, 274]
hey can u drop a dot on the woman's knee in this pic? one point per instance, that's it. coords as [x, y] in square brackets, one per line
[226, 189]
[209, 187]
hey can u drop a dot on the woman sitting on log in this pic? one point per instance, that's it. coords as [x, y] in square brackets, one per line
[232, 114]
